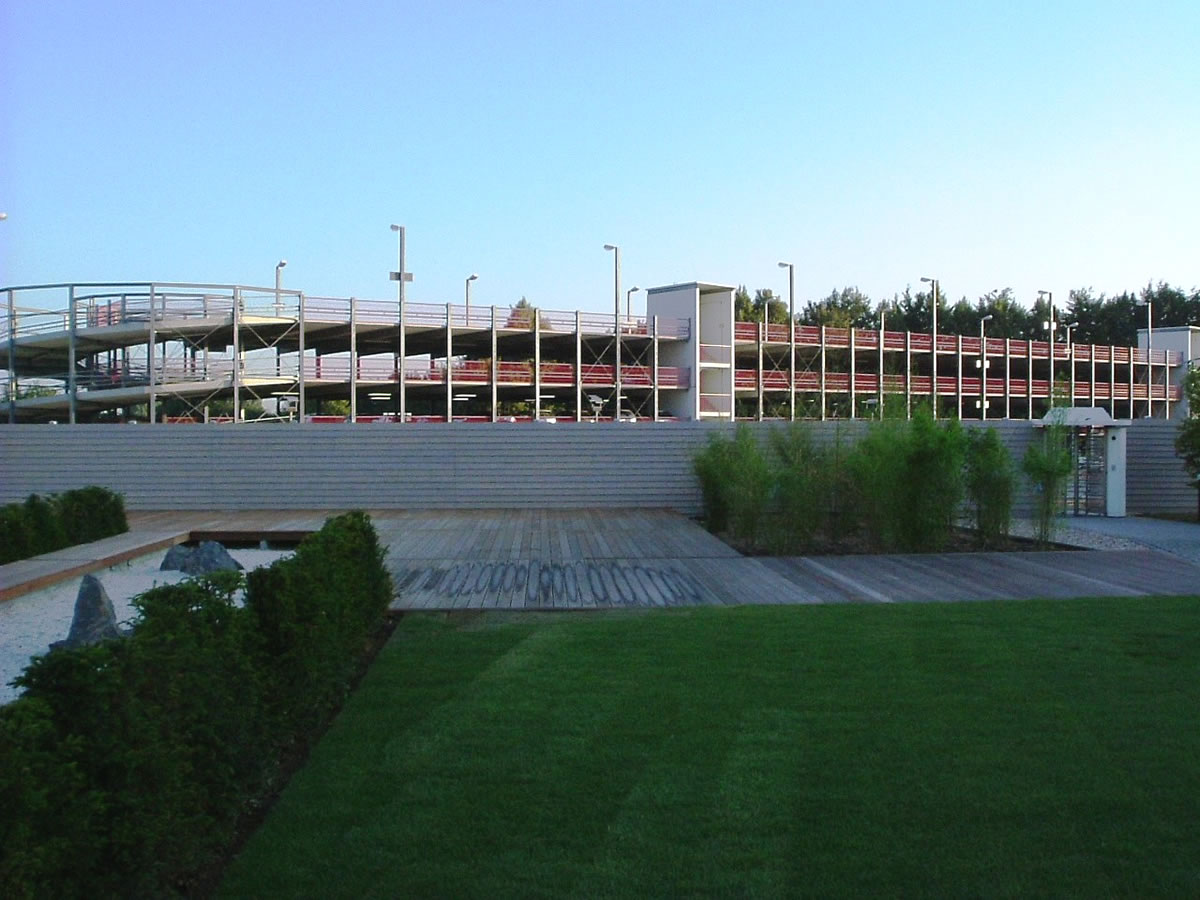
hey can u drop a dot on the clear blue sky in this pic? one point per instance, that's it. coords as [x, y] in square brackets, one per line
[1033, 145]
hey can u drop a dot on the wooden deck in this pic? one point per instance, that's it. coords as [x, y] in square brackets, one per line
[588, 559]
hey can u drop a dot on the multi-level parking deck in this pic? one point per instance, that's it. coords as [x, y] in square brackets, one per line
[975, 377]
[78, 352]
[88, 352]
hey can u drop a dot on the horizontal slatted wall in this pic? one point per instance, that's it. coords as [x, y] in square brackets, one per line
[446, 466]
[329, 466]
[1157, 481]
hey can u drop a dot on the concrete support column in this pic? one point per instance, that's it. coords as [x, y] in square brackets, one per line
[823, 414]
[958, 382]
[853, 375]
[762, 327]
[495, 374]
[72, 384]
[237, 356]
[537, 369]
[152, 400]
[449, 376]
[1007, 378]
[908, 374]
[353, 359]
[578, 368]
[301, 383]
[654, 351]
[12, 359]
[1029, 378]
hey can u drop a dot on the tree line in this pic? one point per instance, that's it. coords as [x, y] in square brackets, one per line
[1097, 319]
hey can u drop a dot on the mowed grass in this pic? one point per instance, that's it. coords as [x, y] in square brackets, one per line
[968, 750]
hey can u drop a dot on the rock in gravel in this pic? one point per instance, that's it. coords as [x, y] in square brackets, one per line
[209, 556]
[94, 620]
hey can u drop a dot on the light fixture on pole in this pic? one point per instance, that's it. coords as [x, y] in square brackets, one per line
[470, 278]
[616, 251]
[1050, 325]
[401, 277]
[629, 302]
[933, 348]
[3, 216]
[1070, 326]
[982, 364]
[791, 339]
[882, 344]
[279, 285]
[1149, 304]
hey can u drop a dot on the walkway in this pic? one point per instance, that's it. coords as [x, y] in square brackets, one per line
[560, 559]
[1180, 539]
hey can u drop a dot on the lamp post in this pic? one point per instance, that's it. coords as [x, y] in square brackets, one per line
[278, 285]
[933, 384]
[628, 301]
[791, 339]
[983, 366]
[400, 277]
[1050, 325]
[882, 333]
[1149, 304]
[470, 278]
[616, 251]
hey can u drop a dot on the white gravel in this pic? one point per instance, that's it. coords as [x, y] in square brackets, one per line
[1066, 533]
[30, 622]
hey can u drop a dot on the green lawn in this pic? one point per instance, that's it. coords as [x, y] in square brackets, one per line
[999, 749]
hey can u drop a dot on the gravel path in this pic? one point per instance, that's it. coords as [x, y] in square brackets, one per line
[30, 622]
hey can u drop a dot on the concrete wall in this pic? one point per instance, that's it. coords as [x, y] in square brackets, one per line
[443, 466]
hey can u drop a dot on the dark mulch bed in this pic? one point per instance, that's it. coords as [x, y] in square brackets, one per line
[962, 540]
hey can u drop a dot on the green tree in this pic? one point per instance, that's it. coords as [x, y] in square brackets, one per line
[1187, 441]
[845, 308]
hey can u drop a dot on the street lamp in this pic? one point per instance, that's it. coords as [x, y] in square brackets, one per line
[279, 284]
[470, 278]
[791, 338]
[882, 339]
[983, 366]
[1149, 304]
[616, 251]
[629, 303]
[3, 216]
[400, 277]
[1050, 325]
[934, 283]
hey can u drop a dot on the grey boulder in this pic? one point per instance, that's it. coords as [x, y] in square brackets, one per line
[208, 556]
[94, 620]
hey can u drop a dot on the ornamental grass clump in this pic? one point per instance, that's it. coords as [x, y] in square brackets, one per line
[805, 489]
[1047, 462]
[909, 482]
[735, 483]
[990, 483]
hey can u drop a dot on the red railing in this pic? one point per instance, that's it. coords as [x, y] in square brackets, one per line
[868, 339]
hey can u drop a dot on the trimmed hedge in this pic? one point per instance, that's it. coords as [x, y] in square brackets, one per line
[45, 524]
[125, 767]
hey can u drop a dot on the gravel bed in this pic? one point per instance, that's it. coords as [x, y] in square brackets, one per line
[30, 622]
[1066, 533]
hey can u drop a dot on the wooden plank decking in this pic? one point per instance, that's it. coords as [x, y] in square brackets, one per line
[587, 559]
